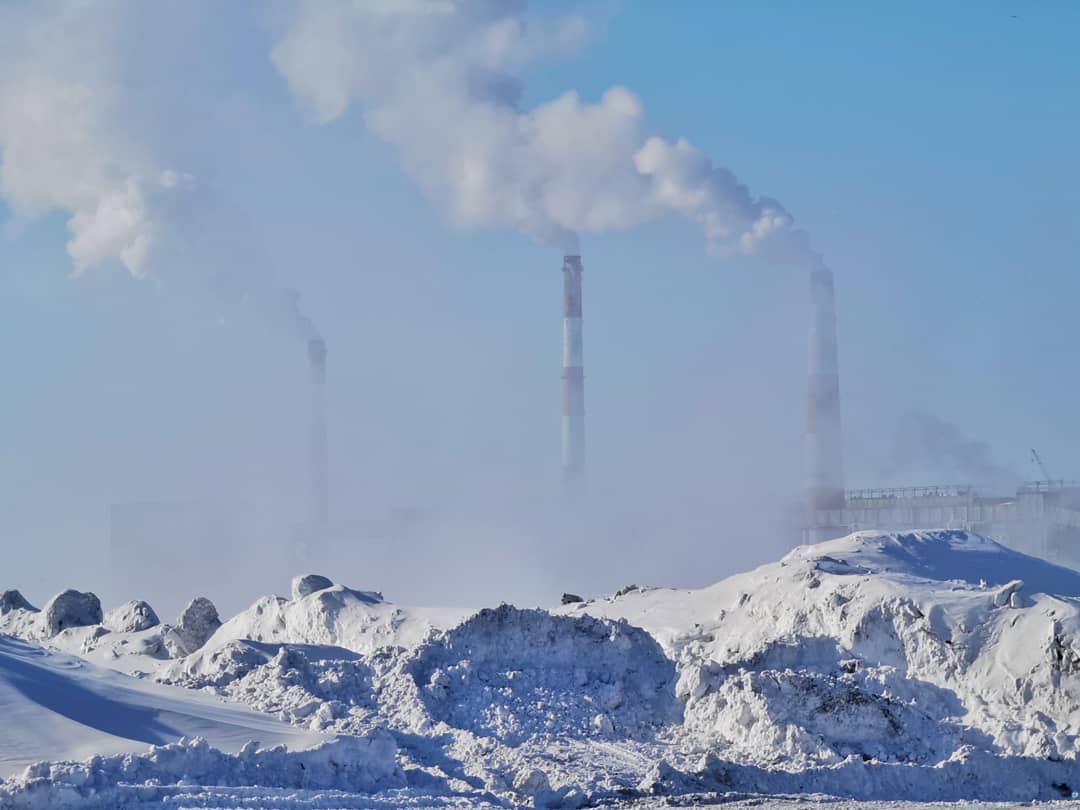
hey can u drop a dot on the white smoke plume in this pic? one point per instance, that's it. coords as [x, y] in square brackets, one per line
[61, 148]
[439, 80]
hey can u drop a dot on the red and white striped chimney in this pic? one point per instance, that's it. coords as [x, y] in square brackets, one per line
[573, 421]
[318, 472]
[824, 485]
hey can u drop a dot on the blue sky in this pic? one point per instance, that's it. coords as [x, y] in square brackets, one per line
[929, 151]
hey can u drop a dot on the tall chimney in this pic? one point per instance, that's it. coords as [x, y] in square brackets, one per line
[317, 460]
[573, 421]
[824, 485]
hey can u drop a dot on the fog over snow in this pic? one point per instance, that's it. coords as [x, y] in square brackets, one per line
[246, 244]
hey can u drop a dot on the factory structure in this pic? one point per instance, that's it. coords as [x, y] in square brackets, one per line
[1040, 518]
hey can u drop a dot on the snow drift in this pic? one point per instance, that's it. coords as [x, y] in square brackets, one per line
[56, 706]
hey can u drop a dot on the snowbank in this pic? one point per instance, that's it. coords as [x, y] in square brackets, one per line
[56, 706]
[354, 764]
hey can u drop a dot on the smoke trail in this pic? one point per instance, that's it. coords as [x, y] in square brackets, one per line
[927, 444]
[439, 80]
[61, 148]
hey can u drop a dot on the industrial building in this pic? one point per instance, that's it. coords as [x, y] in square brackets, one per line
[1040, 517]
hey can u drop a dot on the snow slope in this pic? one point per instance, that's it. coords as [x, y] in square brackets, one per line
[55, 706]
[906, 648]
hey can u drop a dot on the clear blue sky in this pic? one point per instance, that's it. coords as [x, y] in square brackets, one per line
[929, 149]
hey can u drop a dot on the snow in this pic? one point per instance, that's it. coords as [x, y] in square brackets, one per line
[308, 584]
[131, 617]
[354, 764]
[922, 666]
[360, 621]
[70, 609]
[56, 706]
[196, 624]
[13, 600]
[511, 674]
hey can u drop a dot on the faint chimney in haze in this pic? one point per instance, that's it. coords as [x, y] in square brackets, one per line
[573, 420]
[824, 483]
[318, 464]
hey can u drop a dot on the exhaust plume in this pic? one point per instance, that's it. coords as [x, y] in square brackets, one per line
[61, 146]
[439, 80]
[928, 444]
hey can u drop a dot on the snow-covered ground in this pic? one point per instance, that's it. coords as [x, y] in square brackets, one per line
[56, 706]
[930, 666]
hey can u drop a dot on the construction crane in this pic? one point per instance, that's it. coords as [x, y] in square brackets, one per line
[1038, 460]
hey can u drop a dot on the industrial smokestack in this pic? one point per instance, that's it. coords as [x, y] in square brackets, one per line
[824, 486]
[317, 460]
[573, 421]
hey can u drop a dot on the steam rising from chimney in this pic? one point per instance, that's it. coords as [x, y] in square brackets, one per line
[439, 81]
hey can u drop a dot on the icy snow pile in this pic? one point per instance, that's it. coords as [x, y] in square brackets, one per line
[129, 638]
[131, 617]
[919, 649]
[196, 625]
[361, 621]
[354, 764]
[511, 673]
[70, 609]
[13, 600]
[920, 666]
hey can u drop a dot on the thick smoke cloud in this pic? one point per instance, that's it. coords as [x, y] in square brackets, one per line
[61, 146]
[439, 80]
[930, 445]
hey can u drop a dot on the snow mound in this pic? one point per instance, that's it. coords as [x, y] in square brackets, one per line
[131, 617]
[337, 616]
[56, 706]
[896, 648]
[309, 583]
[306, 685]
[13, 600]
[355, 764]
[70, 609]
[939, 555]
[196, 625]
[513, 674]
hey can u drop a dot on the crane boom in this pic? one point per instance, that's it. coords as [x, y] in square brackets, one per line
[1038, 460]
